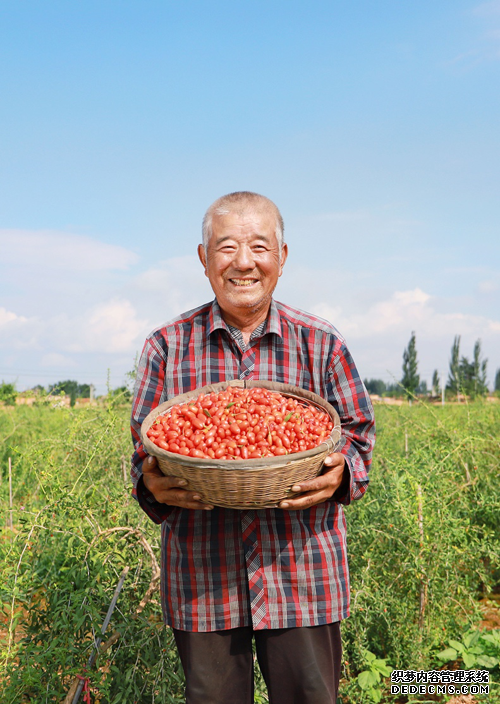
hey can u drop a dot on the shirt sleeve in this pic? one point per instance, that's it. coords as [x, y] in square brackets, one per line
[349, 397]
[148, 394]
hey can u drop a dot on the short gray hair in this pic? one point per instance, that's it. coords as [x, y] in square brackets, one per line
[240, 202]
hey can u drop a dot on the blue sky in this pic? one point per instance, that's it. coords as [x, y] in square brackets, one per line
[373, 126]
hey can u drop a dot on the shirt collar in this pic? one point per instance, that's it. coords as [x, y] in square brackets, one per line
[216, 321]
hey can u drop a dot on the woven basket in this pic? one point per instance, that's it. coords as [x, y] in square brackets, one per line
[244, 484]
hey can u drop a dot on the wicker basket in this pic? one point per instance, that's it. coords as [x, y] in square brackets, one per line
[244, 484]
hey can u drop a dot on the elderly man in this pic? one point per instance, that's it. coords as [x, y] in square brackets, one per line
[278, 576]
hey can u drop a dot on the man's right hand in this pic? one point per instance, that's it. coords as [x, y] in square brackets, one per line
[169, 490]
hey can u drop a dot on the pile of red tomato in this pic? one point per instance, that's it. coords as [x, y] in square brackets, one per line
[240, 424]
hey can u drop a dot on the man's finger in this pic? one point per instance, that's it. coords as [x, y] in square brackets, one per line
[316, 484]
[150, 466]
[334, 458]
[305, 500]
[331, 476]
[186, 499]
[153, 472]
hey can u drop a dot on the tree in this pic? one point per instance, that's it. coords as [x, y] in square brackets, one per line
[453, 383]
[436, 386]
[71, 388]
[8, 393]
[422, 388]
[480, 366]
[410, 379]
[497, 380]
[468, 377]
[472, 374]
[375, 386]
[38, 389]
[480, 385]
[122, 394]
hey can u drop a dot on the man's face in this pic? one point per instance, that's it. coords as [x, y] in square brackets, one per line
[242, 262]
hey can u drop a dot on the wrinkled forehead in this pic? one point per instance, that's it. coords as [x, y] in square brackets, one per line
[259, 219]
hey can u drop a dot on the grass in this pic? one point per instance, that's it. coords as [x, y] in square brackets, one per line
[424, 547]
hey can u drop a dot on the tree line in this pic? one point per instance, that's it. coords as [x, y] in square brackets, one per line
[69, 387]
[467, 377]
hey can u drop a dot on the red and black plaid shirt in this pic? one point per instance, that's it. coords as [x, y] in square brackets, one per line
[267, 568]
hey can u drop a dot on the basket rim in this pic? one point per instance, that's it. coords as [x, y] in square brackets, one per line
[329, 445]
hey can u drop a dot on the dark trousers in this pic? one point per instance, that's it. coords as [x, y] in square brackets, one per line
[299, 665]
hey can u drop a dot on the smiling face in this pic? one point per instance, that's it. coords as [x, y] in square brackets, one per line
[243, 264]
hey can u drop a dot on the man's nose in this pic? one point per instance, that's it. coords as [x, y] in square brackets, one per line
[243, 258]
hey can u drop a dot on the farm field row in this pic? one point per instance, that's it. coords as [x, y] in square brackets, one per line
[424, 548]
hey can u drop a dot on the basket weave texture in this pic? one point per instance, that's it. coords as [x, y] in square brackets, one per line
[244, 484]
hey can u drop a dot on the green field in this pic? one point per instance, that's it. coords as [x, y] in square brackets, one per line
[424, 549]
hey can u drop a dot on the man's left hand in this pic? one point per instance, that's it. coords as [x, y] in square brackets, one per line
[322, 488]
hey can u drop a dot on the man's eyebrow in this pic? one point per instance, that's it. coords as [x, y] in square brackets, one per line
[263, 238]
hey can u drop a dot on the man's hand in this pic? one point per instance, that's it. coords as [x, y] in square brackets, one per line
[322, 488]
[169, 490]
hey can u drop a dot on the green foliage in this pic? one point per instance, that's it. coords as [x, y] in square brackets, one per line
[422, 388]
[453, 384]
[497, 380]
[467, 377]
[394, 390]
[370, 679]
[71, 388]
[76, 527]
[375, 386]
[424, 544]
[477, 649]
[38, 389]
[122, 394]
[473, 374]
[411, 379]
[8, 393]
[436, 385]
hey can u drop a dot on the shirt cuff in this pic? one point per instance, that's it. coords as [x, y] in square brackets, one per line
[154, 509]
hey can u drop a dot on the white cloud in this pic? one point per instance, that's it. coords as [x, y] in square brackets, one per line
[7, 316]
[378, 333]
[61, 251]
[403, 312]
[113, 327]
[489, 286]
[110, 327]
[73, 331]
[71, 324]
[171, 287]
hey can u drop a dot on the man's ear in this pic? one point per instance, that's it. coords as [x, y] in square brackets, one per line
[203, 257]
[284, 255]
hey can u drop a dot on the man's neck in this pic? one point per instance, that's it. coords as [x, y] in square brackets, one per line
[246, 323]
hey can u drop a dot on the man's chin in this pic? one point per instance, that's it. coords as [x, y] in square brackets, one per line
[247, 303]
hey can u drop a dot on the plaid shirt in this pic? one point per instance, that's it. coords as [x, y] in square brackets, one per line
[267, 568]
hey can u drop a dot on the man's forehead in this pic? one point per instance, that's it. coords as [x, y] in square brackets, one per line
[256, 219]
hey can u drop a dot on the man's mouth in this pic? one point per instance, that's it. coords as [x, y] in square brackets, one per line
[243, 282]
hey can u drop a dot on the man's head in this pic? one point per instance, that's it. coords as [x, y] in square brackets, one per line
[243, 255]
[240, 202]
